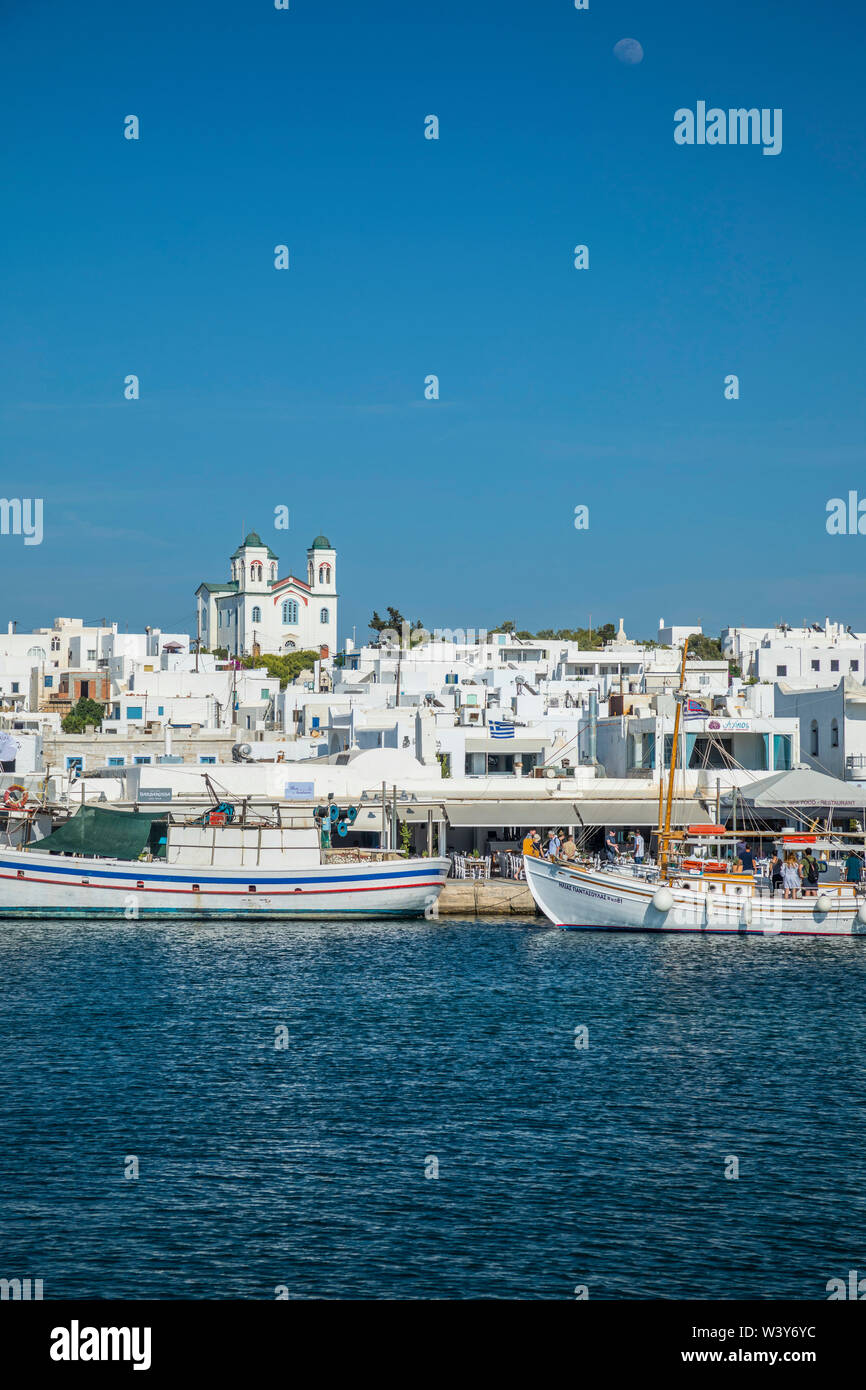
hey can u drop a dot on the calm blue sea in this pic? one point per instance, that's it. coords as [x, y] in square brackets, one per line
[419, 1045]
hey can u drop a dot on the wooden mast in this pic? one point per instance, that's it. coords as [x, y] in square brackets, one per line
[665, 835]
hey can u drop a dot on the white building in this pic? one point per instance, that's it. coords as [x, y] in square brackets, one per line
[256, 611]
[813, 652]
[832, 722]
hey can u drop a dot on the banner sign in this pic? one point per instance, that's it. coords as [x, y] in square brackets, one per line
[300, 791]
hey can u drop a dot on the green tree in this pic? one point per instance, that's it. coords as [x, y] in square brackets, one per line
[287, 667]
[394, 622]
[85, 712]
[705, 648]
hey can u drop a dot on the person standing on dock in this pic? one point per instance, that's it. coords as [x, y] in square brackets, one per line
[791, 876]
[530, 844]
[853, 869]
[809, 870]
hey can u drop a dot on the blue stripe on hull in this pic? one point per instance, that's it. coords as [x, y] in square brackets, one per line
[262, 880]
[117, 913]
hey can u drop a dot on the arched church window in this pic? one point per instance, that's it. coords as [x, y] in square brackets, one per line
[257, 615]
[324, 616]
[290, 611]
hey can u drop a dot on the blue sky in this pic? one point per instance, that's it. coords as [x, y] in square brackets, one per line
[408, 257]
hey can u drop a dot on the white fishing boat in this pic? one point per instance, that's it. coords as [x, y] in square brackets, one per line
[618, 900]
[695, 887]
[129, 863]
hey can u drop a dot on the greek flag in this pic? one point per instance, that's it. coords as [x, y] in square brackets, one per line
[692, 710]
[500, 730]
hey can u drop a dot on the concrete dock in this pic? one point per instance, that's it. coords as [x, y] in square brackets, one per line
[484, 897]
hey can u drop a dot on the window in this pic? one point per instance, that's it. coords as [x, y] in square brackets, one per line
[207, 760]
[813, 735]
[55, 644]
[324, 616]
[135, 711]
[14, 687]
[781, 670]
[854, 665]
[142, 761]
[257, 615]
[315, 721]
[49, 680]
[782, 752]
[256, 572]
[116, 762]
[834, 666]
[75, 765]
[160, 710]
[91, 656]
[290, 611]
[816, 665]
[834, 734]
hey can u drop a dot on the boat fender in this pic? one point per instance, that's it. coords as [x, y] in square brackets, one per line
[747, 912]
[663, 899]
[352, 814]
[861, 913]
[342, 828]
[334, 812]
[822, 903]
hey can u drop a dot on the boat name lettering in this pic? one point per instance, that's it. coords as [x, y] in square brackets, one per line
[608, 898]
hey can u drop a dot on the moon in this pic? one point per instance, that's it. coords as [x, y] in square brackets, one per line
[628, 51]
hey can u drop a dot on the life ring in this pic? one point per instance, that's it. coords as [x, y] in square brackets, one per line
[15, 803]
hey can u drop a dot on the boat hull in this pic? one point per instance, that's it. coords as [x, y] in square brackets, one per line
[609, 901]
[62, 886]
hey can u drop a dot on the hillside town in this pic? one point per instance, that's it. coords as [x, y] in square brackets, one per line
[453, 742]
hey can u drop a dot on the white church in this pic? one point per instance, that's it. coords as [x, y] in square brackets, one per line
[257, 612]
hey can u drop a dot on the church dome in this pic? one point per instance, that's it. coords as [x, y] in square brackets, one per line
[321, 543]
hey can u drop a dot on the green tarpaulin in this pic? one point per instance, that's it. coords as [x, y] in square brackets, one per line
[110, 834]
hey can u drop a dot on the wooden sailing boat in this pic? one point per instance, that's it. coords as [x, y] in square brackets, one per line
[687, 895]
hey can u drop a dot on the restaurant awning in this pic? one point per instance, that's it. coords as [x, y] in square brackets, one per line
[645, 812]
[802, 786]
[489, 815]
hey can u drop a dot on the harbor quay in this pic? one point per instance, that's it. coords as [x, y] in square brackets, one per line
[452, 746]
